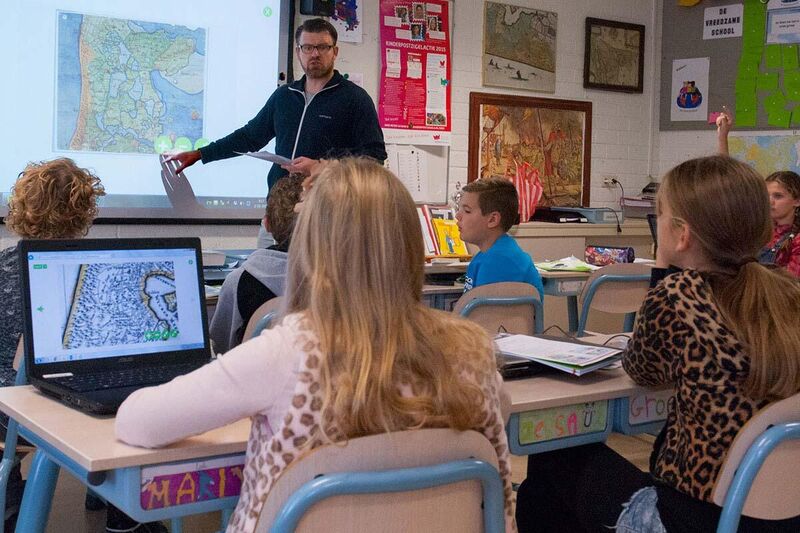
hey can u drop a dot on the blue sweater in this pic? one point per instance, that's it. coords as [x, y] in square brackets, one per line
[503, 261]
[340, 120]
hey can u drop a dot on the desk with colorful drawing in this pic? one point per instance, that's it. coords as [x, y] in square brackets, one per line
[558, 410]
[196, 475]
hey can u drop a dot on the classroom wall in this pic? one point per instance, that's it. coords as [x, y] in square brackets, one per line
[625, 136]
[624, 126]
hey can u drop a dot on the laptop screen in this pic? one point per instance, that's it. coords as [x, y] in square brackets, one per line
[110, 303]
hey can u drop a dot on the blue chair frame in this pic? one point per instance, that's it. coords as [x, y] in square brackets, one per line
[45, 469]
[265, 322]
[592, 289]
[538, 308]
[748, 470]
[397, 480]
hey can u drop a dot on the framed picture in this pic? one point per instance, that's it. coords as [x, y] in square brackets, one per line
[543, 139]
[519, 47]
[613, 59]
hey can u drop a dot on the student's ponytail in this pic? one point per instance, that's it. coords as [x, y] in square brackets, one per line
[762, 306]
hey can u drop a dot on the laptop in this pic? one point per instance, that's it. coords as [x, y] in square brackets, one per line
[105, 317]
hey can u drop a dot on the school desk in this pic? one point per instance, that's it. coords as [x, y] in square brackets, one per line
[558, 410]
[196, 475]
[569, 285]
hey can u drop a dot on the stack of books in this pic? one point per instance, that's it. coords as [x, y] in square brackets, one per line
[571, 356]
[440, 232]
[638, 206]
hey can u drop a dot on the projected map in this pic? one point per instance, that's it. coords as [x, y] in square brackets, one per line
[122, 303]
[128, 86]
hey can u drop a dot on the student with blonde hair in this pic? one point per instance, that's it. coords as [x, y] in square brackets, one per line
[718, 326]
[357, 353]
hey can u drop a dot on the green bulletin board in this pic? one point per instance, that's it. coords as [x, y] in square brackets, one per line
[759, 82]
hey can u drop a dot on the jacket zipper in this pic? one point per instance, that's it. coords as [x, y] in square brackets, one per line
[303, 116]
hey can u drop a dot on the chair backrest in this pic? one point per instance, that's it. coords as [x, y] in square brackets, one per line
[510, 306]
[450, 507]
[619, 288]
[257, 324]
[775, 491]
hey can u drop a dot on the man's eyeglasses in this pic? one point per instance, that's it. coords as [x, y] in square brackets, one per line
[309, 48]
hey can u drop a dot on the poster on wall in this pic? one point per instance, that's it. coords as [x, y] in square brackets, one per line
[783, 21]
[414, 102]
[689, 89]
[347, 16]
[519, 47]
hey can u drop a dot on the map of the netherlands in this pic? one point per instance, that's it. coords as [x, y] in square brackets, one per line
[123, 84]
[121, 303]
[767, 153]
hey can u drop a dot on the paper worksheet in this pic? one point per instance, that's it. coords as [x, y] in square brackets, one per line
[268, 156]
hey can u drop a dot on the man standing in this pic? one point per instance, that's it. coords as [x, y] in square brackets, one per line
[320, 116]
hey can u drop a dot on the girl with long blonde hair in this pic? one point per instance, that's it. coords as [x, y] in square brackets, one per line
[357, 353]
[718, 326]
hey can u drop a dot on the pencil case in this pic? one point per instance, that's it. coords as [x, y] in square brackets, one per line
[606, 255]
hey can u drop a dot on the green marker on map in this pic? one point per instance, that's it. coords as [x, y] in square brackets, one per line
[201, 142]
[183, 144]
[162, 144]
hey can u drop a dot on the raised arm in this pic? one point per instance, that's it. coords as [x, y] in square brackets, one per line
[724, 124]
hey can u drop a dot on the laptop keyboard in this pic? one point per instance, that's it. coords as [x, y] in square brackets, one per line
[129, 377]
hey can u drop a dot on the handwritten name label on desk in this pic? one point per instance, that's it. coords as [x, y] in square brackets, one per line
[560, 422]
[180, 484]
[648, 407]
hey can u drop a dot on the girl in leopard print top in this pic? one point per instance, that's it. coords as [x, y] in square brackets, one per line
[357, 353]
[722, 329]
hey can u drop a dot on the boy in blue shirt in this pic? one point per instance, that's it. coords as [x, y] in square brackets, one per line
[487, 209]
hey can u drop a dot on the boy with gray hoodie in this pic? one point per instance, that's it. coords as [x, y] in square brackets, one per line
[263, 274]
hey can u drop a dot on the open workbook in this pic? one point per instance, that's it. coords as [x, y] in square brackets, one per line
[572, 356]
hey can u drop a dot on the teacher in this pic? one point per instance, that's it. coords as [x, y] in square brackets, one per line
[320, 116]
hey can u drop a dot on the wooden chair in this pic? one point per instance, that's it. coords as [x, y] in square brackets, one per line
[262, 318]
[619, 288]
[420, 480]
[512, 307]
[760, 475]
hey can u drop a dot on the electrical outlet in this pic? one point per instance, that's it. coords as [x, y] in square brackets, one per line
[608, 181]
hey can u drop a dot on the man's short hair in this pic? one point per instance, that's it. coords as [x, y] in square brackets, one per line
[316, 26]
[496, 194]
[282, 198]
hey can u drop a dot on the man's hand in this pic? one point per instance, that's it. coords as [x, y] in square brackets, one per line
[302, 165]
[184, 159]
[724, 124]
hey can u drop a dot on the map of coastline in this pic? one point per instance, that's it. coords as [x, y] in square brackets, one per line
[615, 54]
[119, 303]
[123, 84]
[527, 36]
[767, 153]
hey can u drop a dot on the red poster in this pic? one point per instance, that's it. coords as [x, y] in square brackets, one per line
[415, 76]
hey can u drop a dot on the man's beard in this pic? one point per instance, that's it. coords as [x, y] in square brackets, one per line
[318, 70]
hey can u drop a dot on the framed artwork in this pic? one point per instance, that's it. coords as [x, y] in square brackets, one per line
[521, 137]
[613, 59]
[519, 47]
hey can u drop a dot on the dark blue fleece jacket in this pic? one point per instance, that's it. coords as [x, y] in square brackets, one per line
[340, 120]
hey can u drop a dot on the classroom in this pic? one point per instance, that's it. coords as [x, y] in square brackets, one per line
[573, 133]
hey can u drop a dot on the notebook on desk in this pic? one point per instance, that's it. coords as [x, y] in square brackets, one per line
[105, 317]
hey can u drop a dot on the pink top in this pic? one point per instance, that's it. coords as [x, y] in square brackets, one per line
[274, 380]
[790, 257]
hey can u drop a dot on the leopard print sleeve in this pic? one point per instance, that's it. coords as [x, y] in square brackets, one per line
[480, 368]
[650, 358]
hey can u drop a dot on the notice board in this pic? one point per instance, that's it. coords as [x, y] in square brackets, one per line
[743, 55]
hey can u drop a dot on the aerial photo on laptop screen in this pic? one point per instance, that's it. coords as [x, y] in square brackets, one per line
[112, 303]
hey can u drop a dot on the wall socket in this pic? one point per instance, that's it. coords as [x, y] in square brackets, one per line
[608, 181]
